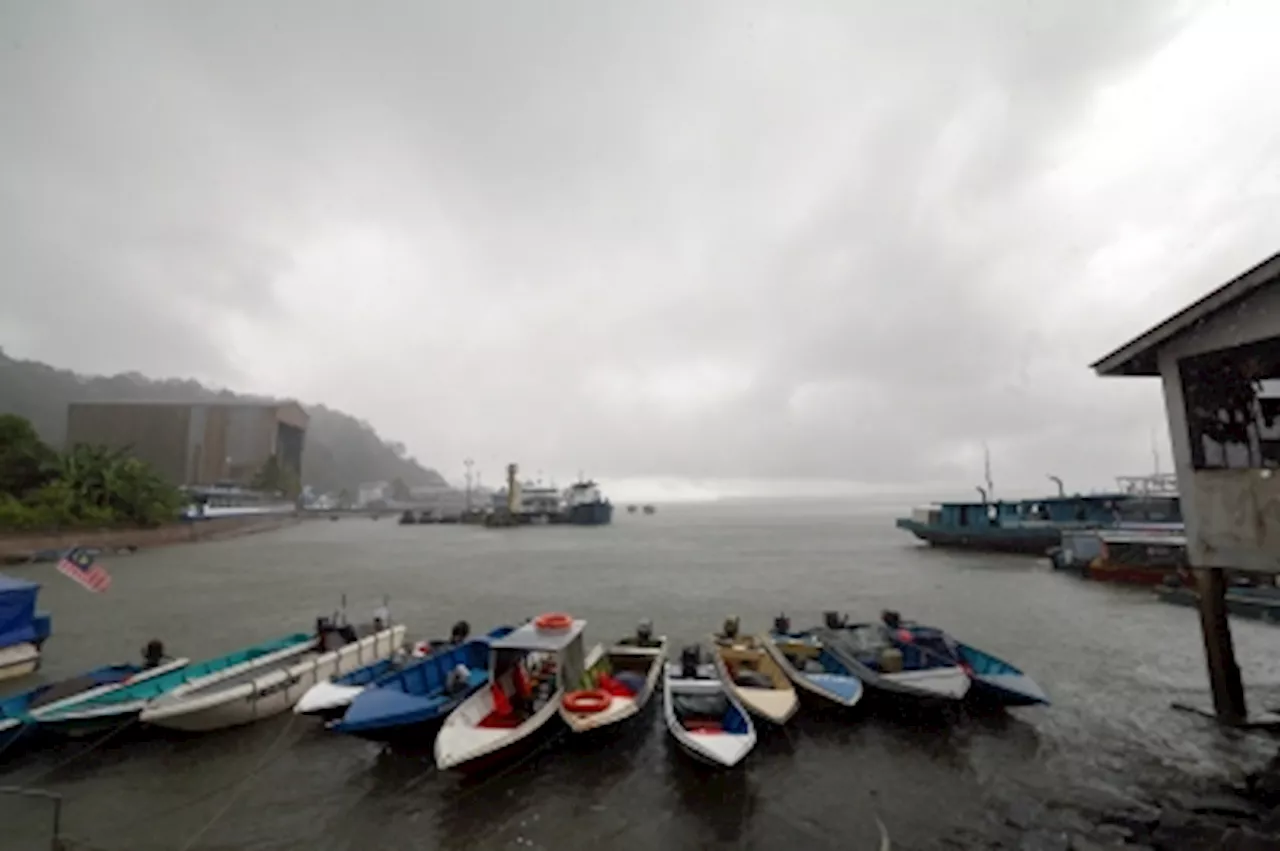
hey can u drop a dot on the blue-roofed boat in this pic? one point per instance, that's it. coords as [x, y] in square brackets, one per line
[404, 704]
[885, 664]
[94, 712]
[811, 666]
[995, 681]
[23, 630]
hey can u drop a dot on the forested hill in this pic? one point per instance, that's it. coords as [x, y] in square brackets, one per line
[341, 451]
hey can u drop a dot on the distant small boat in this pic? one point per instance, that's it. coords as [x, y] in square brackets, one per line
[753, 676]
[404, 703]
[702, 714]
[871, 653]
[620, 683]
[649, 509]
[231, 698]
[810, 666]
[528, 673]
[408, 518]
[19, 713]
[631, 509]
[1260, 603]
[993, 679]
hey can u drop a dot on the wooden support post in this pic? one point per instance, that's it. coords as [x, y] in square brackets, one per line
[1224, 674]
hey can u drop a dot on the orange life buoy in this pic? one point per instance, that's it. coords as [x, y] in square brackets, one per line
[587, 702]
[555, 621]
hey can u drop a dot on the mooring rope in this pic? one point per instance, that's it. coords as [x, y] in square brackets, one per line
[99, 742]
[241, 785]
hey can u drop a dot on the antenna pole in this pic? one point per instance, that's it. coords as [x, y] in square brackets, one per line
[986, 459]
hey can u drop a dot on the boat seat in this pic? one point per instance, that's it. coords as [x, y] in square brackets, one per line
[699, 705]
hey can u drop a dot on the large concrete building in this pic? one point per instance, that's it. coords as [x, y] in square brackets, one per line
[202, 444]
[1219, 364]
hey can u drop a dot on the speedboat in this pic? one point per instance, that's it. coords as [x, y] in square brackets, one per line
[994, 681]
[753, 676]
[874, 654]
[232, 697]
[811, 666]
[329, 699]
[403, 705]
[619, 684]
[528, 672]
[702, 715]
[20, 713]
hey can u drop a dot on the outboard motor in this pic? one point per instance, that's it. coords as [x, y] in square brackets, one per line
[153, 653]
[891, 619]
[348, 634]
[644, 632]
[459, 633]
[730, 629]
[833, 620]
[689, 659]
[782, 624]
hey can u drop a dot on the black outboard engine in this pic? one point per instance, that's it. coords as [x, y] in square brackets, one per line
[644, 633]
[891, 619]
[689, 659]
[459, 633]
[730, 628]
[153, 653]
[782, 624]
[833, 620]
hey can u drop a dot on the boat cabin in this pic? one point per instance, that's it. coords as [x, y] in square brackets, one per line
[1093, 510]
[528, 665]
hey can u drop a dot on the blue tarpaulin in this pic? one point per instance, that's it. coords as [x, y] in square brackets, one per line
[17, 610]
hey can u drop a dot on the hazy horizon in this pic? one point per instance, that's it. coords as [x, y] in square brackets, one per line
[691, 249]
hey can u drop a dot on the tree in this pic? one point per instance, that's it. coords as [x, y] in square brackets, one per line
[26, 463]
[400, 491]
[277, 478]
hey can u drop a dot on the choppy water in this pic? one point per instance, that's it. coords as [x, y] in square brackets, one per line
[1113, 659]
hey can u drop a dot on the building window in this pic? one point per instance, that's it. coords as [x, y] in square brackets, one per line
[1233, 407]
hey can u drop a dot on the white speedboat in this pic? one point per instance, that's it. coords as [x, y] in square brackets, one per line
[702, 715]
[528, 671]
[754, 677]
[623, 679]
[274, 684]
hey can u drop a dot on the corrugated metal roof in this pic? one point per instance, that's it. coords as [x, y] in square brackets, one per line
[529, 637]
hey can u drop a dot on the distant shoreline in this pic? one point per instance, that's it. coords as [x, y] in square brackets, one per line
[28, 547]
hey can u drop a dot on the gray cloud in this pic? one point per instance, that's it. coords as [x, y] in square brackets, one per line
[668, 239]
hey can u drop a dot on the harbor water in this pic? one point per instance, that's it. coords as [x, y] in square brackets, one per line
[1112, 659]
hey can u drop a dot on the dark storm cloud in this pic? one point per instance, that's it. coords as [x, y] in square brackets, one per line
[703, 239]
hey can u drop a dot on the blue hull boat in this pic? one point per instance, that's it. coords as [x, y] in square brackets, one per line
[402, 704]
[814, 668]
[103, 711]
[875, 655]
[995, 681]
[16, 719]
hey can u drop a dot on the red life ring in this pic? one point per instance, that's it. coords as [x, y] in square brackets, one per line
[587, 702]
[554, 622]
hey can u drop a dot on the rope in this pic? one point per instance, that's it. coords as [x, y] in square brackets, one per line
[240, 786]
[111, 734]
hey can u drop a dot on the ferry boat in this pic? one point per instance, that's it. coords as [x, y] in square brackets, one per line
[1035, 526]
[585, 505]
[1133, 556]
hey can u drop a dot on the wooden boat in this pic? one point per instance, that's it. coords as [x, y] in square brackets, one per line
[873, 654]
[702, 714]
[754, 677]
[528, 671]
[23, 630]
[810, 666]
[93, 712]
[619, 684]
[402, 705]
[19, 713]
[231, 698]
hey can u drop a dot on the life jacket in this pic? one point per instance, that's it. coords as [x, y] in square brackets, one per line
[501, 705]
[523, 687]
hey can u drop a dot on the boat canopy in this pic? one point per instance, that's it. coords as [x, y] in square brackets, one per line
[529, 637]
[17, 610]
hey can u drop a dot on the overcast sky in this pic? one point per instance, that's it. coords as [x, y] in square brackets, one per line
[672, 242]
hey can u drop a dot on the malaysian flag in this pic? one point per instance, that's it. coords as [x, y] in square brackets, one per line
[78, 564]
